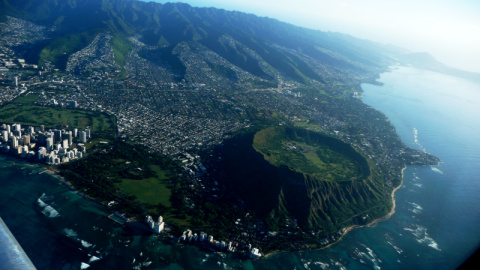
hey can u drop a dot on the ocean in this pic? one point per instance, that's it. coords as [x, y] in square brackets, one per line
[435, 224]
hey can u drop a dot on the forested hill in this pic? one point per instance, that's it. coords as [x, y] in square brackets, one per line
[264, 48]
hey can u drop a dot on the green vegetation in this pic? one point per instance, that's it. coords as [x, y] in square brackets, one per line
[165, 55]
[61, 48]
[238, 38]
[151, 190]
[140, 182]
[279, 184]
[311, 153]
[223, 71]
[121, 47]
[23, 111]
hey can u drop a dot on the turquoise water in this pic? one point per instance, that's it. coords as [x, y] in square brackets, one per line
[435, 225]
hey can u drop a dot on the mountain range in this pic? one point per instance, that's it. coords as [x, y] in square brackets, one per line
[264, 48]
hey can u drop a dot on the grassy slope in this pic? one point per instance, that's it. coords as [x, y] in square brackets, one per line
[58, 50]
[121, 47]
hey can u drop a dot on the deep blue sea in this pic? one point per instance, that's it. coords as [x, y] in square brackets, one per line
[436, 224]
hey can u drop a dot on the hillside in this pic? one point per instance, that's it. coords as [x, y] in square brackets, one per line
[181, 40]
[319, 199]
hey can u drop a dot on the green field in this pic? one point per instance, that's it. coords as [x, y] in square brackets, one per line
[139, 181]
[311, 153]
[23, 111]
[151, 190]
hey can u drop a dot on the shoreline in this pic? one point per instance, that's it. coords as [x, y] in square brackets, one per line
[53, 172]
[352, 227]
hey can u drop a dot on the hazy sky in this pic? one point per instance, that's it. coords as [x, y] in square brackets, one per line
[448, 29]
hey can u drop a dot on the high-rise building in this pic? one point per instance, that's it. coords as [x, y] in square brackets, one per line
[42, 152]
[49, 143]
[26, 139]
[69, 138]
[57, 135]
[65, 144]
[42, 128]
[83, 136]
[17, 127]
[5, 135]
[88, 133]
[75, 132]
[14, 142]
[17, 133]
[41, 138]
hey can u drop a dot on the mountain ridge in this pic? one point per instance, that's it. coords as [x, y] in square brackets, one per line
[296, 52]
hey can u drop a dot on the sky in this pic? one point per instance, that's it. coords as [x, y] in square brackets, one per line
[447, 29]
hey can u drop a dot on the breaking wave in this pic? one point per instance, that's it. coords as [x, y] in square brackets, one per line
[422, 236]
[94, 259]
[70, 233]
[85, 244]
[48, 210]
[437, 170]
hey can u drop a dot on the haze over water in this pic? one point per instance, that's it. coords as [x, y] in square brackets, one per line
[435, 225]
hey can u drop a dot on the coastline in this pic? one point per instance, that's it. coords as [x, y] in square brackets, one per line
[350, 228]
[53, 172]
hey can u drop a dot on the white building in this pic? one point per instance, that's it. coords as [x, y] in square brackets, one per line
[49, 143]
[42, 152]
[5, 135]
[65, 144]
[255, 253]
[155, 227]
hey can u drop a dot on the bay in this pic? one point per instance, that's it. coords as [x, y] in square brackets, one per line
[435, 225]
